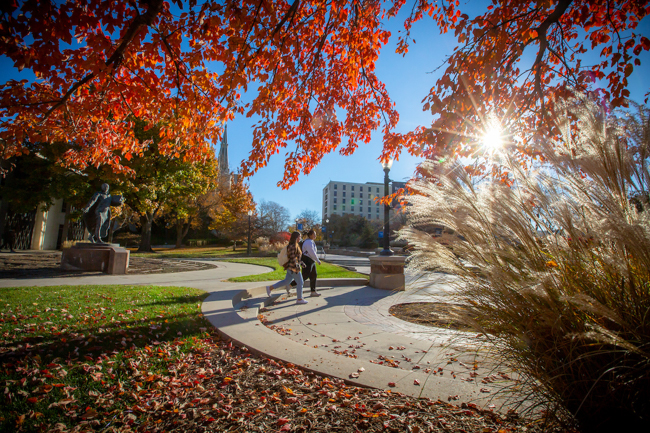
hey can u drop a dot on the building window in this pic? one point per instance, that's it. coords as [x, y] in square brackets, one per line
[369, 208]
[343, 193]
[334, 193]
[325, 203]
[377, 190]
[343, 208]
[334, 199]
[361, 194]
[334, 187]
[361, 202]
[369, 217]
[334, 207]
[351, 208]
[352, 187]
[343, 201]
[343, 186]
[351, 201]
[352, 194]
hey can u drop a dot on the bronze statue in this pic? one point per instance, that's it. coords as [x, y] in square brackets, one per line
[97, 213]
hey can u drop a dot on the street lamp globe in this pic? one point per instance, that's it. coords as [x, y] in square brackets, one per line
[250, 213]
[388, 164]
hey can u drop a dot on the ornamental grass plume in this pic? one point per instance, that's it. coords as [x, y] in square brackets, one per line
[555, 268]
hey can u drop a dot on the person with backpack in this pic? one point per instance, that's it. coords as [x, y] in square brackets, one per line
[293, 266]
[309, 258]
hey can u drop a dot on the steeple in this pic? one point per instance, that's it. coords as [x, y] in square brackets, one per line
[223, 154]
[224, 170]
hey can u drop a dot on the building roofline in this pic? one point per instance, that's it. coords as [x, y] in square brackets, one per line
[360, 183]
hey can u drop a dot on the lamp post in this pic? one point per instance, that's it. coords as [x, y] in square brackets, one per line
[327, 222]
[248, 251]
[386, 251]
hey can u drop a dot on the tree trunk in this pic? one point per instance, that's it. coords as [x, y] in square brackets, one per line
[146, 221]
[182, 229]
[4, 209]
[66, 225]
[179, 233]
[4, 205]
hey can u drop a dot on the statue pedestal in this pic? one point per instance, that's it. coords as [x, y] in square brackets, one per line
[107, 258]
[387, 272]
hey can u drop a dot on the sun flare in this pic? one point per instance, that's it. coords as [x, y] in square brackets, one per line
[493, 138]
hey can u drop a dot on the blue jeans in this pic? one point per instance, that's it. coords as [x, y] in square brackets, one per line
[297, 277]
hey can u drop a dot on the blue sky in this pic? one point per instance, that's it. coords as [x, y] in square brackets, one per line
[408, 80]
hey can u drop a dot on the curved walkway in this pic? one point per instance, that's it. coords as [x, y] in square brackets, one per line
[348, 332]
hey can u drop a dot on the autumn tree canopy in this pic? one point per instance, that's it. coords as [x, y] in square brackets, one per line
[230, 216]
[101, 65]
[516, 59]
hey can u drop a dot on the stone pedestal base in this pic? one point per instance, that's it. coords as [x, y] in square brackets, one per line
[107, 258]
[387, 272]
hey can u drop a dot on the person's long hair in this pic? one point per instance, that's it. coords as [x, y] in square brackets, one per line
[294, 241]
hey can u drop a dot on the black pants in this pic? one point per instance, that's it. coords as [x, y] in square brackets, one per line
[308, 272]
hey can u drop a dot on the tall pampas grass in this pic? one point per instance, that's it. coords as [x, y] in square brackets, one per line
[555, 267]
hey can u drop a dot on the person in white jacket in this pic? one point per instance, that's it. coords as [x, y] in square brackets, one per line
[310, 258]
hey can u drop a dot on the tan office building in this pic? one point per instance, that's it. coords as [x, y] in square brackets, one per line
[342, 198]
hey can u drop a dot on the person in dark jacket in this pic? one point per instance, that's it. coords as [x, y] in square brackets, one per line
[310, 258]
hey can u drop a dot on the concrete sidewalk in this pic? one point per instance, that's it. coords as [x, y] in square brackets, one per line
[349, 333]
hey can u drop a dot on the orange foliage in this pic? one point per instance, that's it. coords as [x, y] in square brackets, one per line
[488, 73]
[234, 204]
[100, 64]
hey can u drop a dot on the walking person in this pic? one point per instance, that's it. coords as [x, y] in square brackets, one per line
[293, 267]
[310, 258]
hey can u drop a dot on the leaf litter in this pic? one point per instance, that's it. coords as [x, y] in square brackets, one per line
[197, 382]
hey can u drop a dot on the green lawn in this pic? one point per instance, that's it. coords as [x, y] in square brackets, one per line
[326, 270]
[83, 353]
[195, 252]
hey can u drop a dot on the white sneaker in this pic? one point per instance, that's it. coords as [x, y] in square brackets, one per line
[301, 301]
[268, 291]
[315, 294]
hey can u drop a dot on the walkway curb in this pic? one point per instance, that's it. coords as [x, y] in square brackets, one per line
[237, 319]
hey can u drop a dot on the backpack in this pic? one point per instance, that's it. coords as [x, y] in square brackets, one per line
[283, 257]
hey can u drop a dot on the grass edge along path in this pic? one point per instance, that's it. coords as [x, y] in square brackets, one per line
[143, 358]
[325, 270]
[194, 252]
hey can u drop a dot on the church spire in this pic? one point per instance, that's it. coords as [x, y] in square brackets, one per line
[224, 169]
[223, 153]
